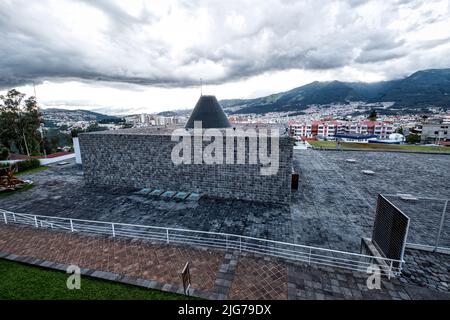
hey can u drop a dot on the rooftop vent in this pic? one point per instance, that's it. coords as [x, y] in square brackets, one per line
[208, 111]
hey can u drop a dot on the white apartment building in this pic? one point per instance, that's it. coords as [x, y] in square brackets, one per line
[328, 129]
[383, 129]
[301, 130]
[358, 128]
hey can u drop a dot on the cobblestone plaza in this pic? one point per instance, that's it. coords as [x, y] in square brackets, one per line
[333, 208]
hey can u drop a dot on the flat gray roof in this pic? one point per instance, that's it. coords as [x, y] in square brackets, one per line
[335, 204]
[168, 130]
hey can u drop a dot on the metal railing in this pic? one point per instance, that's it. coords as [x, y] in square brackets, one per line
[429, 221]
[290, 251]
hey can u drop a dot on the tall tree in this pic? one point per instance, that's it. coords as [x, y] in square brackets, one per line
[19, 122]
[372, 116]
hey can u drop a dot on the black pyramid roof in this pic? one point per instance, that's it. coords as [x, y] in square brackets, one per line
[209, 112]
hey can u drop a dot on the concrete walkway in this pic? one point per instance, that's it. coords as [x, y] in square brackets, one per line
[214, 274]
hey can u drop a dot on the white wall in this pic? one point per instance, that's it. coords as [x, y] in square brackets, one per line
[45, 161]
[56, 159]
[76, 147]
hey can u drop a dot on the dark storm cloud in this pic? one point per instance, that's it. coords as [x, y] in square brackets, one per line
[174, 45]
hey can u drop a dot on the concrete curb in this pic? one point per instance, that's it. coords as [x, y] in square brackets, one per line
[108, 276]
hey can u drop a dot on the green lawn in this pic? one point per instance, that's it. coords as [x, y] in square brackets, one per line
[23, 282]
[30, 171]
[25, 188]
[375, 146]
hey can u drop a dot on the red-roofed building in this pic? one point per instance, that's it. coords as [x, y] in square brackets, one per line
[328, 129]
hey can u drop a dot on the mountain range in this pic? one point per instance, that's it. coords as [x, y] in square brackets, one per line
[420, 90]
[55, 115]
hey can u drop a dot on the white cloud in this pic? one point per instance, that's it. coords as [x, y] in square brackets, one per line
[240, 48]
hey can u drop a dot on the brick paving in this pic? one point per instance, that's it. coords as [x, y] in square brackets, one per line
[259, 279]
[162, 263]
[214, 274]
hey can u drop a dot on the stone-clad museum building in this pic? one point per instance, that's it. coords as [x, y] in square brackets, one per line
[142, 158]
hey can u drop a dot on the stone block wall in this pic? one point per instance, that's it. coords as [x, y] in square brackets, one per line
[143, 160]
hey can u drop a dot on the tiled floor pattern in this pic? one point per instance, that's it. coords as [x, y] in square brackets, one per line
[219, 275]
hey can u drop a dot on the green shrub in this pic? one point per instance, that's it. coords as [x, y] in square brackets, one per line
[413, 138]
[4, 153]
[23, 165]
[28, 164]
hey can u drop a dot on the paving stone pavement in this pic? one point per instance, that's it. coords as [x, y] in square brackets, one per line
[427, 269]
[214, 274]
[335, 203]
[61, 191]
[158, 262]
[259, 279]
[333, 208]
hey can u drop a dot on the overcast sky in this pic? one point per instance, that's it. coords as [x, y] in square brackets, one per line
[148, 56]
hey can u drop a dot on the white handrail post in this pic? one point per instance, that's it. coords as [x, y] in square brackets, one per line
[309, 256]
[226, 242]
[167, 236]
[441, 225]
[240, 244]
[14, 216]
[36, 222]
[113, 230]
[390, 270]
[4, 217]
[71, 225]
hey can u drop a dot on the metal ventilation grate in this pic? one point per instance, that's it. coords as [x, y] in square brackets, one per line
[390, 229]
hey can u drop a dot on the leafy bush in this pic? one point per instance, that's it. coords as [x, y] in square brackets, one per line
[23, 165]
[74, 133]
[28, 164]
[413, 138]
[4, 153]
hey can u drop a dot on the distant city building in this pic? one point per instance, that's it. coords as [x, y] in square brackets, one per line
[435, 133]
[147, 120]
[329, 129]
